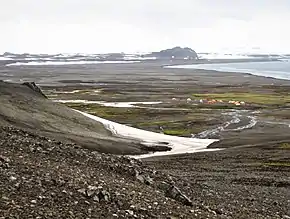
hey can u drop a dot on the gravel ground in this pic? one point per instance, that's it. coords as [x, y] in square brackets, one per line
[249, 182]
[43, 178]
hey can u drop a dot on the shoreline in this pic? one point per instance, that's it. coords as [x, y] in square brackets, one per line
[251, 72]
[41, 75]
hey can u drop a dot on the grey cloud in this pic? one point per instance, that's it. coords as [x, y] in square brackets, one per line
[162, 13]
[176, 20]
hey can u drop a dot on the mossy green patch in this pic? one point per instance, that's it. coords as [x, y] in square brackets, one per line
[158, 123]
[285, 146]
[174, 122]
[255, 98]
[177, 132]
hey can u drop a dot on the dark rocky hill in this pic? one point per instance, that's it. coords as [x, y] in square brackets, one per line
[25, 106]
[175, 53]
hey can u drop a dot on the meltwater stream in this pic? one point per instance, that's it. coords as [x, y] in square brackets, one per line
[240, 120]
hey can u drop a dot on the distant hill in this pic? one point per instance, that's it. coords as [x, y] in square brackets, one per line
[174, 53]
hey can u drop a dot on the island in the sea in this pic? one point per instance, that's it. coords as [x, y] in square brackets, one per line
[174, 53]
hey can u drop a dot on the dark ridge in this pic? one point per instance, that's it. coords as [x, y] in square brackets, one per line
[34, 87]
[175, 53]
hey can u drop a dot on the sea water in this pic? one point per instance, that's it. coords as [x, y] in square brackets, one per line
[275, 69]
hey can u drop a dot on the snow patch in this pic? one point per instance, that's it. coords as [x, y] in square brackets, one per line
[109, 104]
[5, 58]
[70, 63]
[212, 56]
[179, 145]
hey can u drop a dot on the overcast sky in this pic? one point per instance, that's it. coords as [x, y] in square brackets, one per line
[95, 26]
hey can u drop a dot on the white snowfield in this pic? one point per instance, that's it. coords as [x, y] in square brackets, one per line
[5, 58]
[179, 145]
[69, 63]
[109, 104]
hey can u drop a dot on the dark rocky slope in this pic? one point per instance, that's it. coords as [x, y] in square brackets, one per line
[24, 106]
[44, 178]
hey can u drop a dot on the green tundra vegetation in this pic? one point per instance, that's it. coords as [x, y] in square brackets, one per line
[254, 98]
[173, 122]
